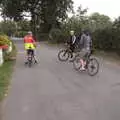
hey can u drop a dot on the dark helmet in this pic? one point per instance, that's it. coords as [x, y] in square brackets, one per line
[86, 32]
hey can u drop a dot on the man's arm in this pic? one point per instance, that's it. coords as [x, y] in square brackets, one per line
[34, 41]
[34, 38]
[74, 39]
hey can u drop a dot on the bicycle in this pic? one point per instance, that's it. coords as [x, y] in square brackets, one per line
[31, 58]
[92, 64]
[67, 53]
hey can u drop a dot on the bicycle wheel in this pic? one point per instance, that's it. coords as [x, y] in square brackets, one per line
[76, 63]
[63, 55]
[92, 66]
[30, 61]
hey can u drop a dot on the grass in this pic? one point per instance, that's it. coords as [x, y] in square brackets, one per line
[110, 56]
[6, 73]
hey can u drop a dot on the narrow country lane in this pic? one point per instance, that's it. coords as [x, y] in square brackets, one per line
[55, 91]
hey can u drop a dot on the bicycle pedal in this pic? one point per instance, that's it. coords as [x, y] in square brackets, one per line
[26, 63]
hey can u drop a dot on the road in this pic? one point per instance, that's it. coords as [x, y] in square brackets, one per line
[53, 90]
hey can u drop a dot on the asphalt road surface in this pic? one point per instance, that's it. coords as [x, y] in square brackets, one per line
[53, 90]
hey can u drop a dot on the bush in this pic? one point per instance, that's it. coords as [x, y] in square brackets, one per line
[107, 40]
[4, 40]
[10, 56]
[20, 33]
[56, 36]
[42, 36]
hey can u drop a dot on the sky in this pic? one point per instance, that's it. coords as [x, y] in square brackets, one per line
[107, 7]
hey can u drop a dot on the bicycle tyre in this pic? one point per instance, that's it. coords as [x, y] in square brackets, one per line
[92, 61]
[76, 63]
[30, 62]
[65, 53]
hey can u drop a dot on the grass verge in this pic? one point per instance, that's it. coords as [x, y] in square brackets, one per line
[6, 73]
[112, 57]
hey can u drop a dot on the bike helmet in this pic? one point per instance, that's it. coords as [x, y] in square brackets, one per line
[29, 32]
[72, 32]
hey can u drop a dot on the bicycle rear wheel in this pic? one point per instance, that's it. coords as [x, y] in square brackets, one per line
[30, 61]
[92, 66]
[30, 64]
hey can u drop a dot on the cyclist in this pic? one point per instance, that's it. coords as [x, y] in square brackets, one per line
[30, 44]
[85, 43]
[72, 41]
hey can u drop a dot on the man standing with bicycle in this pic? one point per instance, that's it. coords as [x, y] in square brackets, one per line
[85, 44]
[72, 41]
[30, 45]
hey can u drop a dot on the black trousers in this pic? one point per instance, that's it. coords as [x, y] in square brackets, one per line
[30, 51]
[72, 48]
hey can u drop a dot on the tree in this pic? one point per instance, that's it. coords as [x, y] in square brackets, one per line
[8, 27]
[99, 21]
[81, 13]
[24, 25]
[77, 22]
[48, 13]
[12, 28]
[116, 23]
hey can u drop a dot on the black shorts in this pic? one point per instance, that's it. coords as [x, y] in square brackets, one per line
[72, 48]
[30, 52]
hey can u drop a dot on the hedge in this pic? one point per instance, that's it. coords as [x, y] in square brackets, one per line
[5, 40]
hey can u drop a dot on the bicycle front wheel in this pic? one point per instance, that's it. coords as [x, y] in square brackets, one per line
[93, 66]
[76, 63]
[63, 55]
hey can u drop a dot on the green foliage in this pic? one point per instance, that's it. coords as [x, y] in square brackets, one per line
[7, 27]
[47, 13]
[103, 39]
[107, 40]
[98, 21]
[4, 40]
[20, 33]
[42, 36]
[10, 56]
[12, 28]
[24, 25]
[5, 74]
[56, 36]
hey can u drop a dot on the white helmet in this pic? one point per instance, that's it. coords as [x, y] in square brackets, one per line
[29, 32]
[72, 32]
